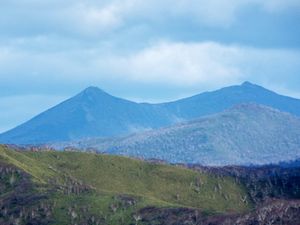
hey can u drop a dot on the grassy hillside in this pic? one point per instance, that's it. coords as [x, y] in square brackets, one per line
[99, 189]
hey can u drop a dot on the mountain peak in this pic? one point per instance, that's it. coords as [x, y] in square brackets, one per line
[92, 89]
[248, 84]
[92, 94]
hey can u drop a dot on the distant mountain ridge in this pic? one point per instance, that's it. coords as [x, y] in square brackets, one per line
[94, 113]
[224, 98]
[243, 135]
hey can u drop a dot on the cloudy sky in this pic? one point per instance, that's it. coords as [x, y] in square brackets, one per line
[143, 50]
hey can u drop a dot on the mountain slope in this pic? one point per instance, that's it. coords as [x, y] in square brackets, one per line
[216, 101]
[94, 113]
[90, 113]
[62, 188]
[73, 187]
[244, 134]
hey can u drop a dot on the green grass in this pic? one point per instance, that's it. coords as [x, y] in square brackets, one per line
[153, 185]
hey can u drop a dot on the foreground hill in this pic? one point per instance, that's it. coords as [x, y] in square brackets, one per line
[245, 134]
[94, 113]
[72, 188]
[63, 188]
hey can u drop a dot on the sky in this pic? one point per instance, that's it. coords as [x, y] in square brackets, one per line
[142, 50]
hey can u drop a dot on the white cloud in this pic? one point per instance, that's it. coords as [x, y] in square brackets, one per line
[179, 64]
[211, 13]
[208, 63]
[93, 18]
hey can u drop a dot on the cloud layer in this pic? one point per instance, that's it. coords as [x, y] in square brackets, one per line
[94, 18]
[167, 63]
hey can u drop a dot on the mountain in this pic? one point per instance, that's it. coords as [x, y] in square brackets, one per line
[91, 113]
[245, 134]
[94, 113]
[216, 101]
